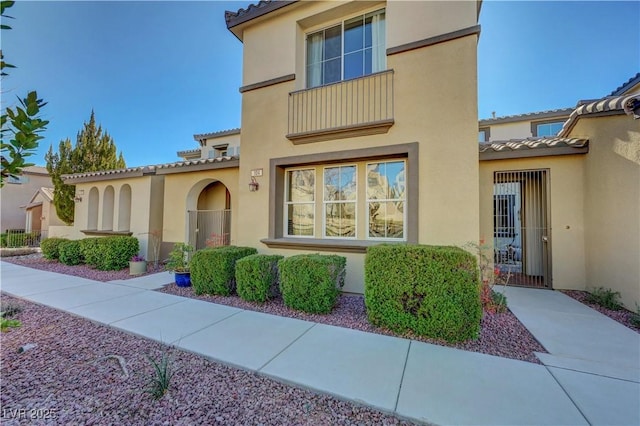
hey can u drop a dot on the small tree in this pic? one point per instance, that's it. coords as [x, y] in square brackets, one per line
[20, 127]
[94, 151]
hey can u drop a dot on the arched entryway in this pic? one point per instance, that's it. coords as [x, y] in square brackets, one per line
[209, 214]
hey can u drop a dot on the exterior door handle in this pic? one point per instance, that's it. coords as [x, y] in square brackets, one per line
[545, 239]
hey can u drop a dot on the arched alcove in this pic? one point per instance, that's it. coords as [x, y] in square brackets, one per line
[124, 208]
[94, 205]
[107, 208]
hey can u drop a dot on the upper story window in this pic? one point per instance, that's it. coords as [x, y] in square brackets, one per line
[18, 179]
[548, 129]
[351, 49]
[483, 134]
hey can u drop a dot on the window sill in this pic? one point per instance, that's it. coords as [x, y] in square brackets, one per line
[333, 245]
[96, 232]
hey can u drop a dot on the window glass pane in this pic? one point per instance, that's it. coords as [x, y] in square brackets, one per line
[386, 180]
[301, 185]
[549, 129]
[340, 220]
[386, 219]
[300, 219]
[353, 65]
[367, 31]
[353, 35]
[332, 71]
[368, 67]
[332, 42]
[482, 136]
[340, 183]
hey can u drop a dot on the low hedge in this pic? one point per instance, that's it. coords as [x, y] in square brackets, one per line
[70, 252]
[51, 248]
[109, 253]
[430, 290]
[213, 270]
[91, 251]
[312, 282]
[257, 277]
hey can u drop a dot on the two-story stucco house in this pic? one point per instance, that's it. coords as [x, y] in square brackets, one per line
[360, 127]
[360, 119]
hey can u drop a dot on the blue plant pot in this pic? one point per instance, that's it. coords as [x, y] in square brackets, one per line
[183, 279]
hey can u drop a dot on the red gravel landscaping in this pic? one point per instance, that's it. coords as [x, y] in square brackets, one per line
[500, 334]
[69, 378]
[622, 316]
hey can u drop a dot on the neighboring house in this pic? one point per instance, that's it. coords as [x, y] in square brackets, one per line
[562, 212]
[537, 124]
[41, 212]
[360, 127]
[18, 192]
[183, 201]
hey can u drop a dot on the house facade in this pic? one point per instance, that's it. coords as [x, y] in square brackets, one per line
[18, 192]
[562, 212]
[359, 123]
[360, 127]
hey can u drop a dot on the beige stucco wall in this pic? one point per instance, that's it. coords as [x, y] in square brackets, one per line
[232, 142]
[566, 181]
[435, 105]
[14, 195]
[612, 204]
[181, 194]
[146, 207]
[508, 131]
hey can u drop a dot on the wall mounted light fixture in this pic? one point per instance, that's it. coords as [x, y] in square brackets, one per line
[77, 199]
[253, 185]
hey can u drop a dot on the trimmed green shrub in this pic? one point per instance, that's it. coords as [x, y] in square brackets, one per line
[432, 291]
[91, 251]
[312, 282]
[70, 252]
[3, 240]
[109, 253]
[213, 270]
[116, 252]
[51, 248]
[257, 277]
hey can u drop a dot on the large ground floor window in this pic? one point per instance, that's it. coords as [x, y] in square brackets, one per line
[363, 200]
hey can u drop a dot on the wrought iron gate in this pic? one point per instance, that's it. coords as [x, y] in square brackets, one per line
[209, 228]
[521, 216]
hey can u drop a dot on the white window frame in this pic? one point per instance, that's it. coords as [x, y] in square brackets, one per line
[288, 203]
[368, 200]
[325, 202]
[341, 24]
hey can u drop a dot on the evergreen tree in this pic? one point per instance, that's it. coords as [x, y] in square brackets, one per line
[94, 151]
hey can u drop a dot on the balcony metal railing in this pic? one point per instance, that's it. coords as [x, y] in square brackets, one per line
[362, 104]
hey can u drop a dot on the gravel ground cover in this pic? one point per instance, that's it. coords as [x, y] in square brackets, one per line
[36, 261]
[66, 379]
[622, 316]
[501, 334]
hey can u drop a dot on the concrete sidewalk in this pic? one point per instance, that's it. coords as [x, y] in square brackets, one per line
[415, 380]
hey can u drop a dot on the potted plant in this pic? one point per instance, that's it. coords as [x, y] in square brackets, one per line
[137, 265]
[179, 260]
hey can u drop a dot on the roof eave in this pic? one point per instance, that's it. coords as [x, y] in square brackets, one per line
[235, 20]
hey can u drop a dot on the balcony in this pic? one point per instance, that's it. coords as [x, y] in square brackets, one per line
[357, 107]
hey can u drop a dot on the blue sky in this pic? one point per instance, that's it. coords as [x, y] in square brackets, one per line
[157, 72]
